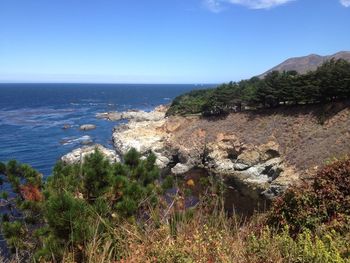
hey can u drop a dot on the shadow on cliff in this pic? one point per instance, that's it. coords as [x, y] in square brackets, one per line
[322, 112]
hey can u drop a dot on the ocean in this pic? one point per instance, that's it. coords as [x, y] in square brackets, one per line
[32, 116]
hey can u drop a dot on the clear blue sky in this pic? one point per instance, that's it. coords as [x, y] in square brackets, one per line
[163, 41]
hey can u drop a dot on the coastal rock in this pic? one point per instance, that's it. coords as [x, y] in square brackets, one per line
[111, 116]
[134, 115]
[77, 155]
[143, 136]
[181, 146]
[87, 127]
[86, 142]
[145, 132]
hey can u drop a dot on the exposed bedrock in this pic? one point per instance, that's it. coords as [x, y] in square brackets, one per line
[256, 166]
[77, 155]
[136, 115]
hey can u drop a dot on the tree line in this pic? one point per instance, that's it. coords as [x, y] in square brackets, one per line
[329, 82]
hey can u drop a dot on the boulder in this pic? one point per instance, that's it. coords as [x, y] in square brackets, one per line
[180, 169]
[87, 127]
[77, 155]
[161, 161]
[111, 116]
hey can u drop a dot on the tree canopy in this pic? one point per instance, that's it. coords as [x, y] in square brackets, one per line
[330, 82]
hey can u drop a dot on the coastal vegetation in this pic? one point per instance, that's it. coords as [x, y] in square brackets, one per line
[75, 203]
[329, 82]
[102, 212]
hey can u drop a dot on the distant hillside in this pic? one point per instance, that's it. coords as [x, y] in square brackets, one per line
[307, 63]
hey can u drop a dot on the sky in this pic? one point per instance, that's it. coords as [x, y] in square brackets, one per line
[163, 41]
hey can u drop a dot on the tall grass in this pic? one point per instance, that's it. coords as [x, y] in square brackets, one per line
[202, 236]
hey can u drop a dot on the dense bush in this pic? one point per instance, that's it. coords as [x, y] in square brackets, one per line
[190, 103]
[331, 81]
[326, 201]
[64, 212]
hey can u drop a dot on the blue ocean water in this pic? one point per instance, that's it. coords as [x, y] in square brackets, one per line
[32, 116]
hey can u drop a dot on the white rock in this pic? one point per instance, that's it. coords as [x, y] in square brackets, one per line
[145, 137]
[225, 165]
[137, 116]
[162, 161]
[77, 155]
[180, 169]
[87, 127]
[240, 166]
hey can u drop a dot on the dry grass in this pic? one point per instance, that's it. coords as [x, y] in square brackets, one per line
[209, 238]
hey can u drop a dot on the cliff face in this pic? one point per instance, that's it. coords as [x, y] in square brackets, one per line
[268, 150]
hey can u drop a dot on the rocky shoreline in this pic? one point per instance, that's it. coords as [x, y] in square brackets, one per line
[260, 169]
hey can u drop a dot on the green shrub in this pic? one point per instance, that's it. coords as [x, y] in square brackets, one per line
[76, 198]
[97, 173]
[14, 232]
[68, 217]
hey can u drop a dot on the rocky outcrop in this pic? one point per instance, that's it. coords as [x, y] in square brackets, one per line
[87, 127]
[77, 155]
[223, 153]
[259, 166]
[135, 115]
[145, 136]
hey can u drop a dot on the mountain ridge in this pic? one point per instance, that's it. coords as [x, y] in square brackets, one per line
[307, 63]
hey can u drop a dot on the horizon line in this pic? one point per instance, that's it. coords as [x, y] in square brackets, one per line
[110, 83]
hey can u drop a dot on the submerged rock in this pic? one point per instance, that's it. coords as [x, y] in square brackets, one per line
[77, 155]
